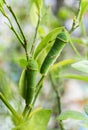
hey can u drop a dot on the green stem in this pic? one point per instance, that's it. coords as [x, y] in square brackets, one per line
[26, 110]
[35, 35]
[58, 100]
[13, 14]
[76, 22]
[76, 19]
[83, 29]
[9, 107]
[75, 49]
[38, 87]
[79, 10]
[24, 42]
[15, 32]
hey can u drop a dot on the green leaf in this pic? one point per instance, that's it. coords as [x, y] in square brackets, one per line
[81, 66]
[78, 77]
[23, 63]
[63, 63]
[2, 2]
[42, 31]
[84, 8]
[72, 115]
[47, 40]
[34, 14]
[86, 109]
[38, 3]
[83, 40]
[45, 45]
[38, 121]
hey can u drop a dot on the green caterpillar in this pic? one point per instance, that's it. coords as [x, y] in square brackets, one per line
[27, 82]
[55, 51]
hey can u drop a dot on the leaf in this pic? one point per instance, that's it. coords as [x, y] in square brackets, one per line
[34, 14]
[63, 63]
[72, 115]
[23, 63]
[36, 110]
[86, 109]
[81, 66]
[38, 121]
[78, 77]
[84, 8]
[45, 45]
[83, 40]
[46, 41]
[42, 31]
[38, 3]
[2, 2]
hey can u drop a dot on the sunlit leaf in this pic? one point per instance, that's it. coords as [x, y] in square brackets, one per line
[78, 77]
[38, 3]
[38, 121]
[2, 2]
[36, 110]
[47, 40]
[83, 9]
[42, 31]
[46, 44]
[63, 63]
[23, 62]
[72, 115]
[81, 66]
[34, 14]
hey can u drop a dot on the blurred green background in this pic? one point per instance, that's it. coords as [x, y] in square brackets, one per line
[55, 13]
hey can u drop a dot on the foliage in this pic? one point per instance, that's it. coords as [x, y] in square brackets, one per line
[42, 61]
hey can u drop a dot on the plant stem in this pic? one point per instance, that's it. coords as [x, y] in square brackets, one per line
[83, 29]
[58, 100]
[13, 14]
[26, 110]
[75, 24]
[23, 42]
[76, 19]
[38, 88]
[15, 32]
[75, 49]
[9, 107]
[35, 35]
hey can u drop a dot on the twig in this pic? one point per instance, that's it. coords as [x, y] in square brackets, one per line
[23, 42]
[74, 26]
[58, 100]
[76, 19]
[15, 32]
[75, 49]
[35, 35]
[13, 14]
